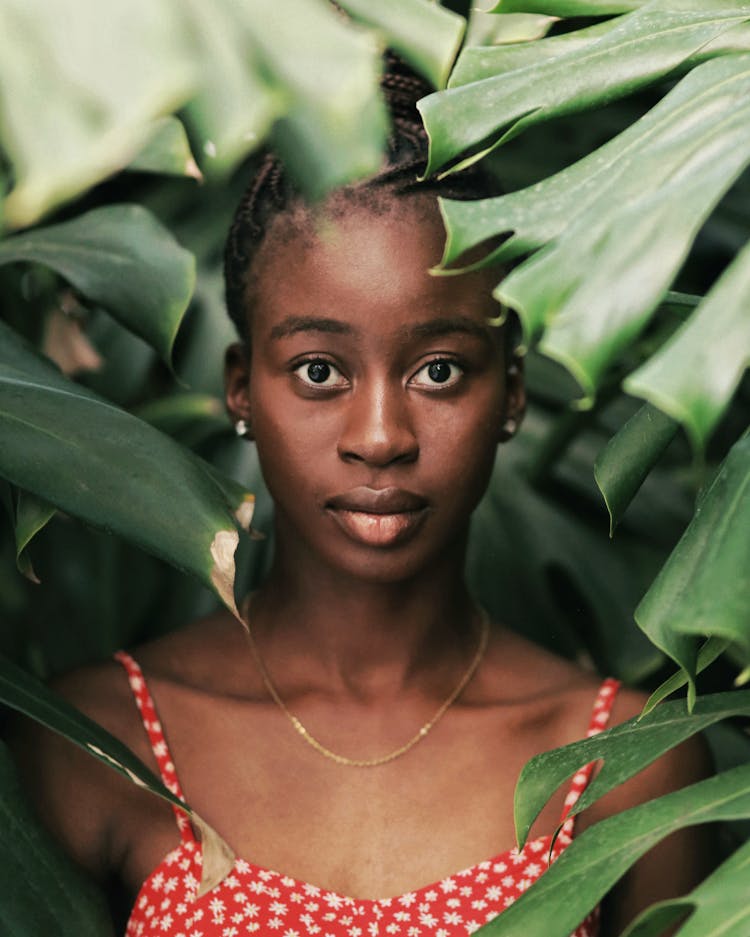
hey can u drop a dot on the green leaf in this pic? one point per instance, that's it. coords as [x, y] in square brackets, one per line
[121, 258]
[623, 465]
[711, 559]
[32, 515]
[489, 30]
[479, 64]
[45, 893]
[718, 907]
[333, 129]
[119, 473]
[424, 33]
[560, 899]
[711, 650]
[641, 47]
[696, 372]
[625, 750]
[27, 695]
[596, 287]
[235, 105]
[635, 164]
[568, 7]
[93, 88]
[167, 151]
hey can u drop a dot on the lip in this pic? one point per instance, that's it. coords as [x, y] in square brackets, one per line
[378, 517]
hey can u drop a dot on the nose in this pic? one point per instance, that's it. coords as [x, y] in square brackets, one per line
[378, 428]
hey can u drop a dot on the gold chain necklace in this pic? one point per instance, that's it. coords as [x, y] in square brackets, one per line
[402, 749]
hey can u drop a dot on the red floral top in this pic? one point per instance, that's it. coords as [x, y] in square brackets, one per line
[252, 899]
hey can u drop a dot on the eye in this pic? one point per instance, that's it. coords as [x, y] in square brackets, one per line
[438, 373]
[320, 373]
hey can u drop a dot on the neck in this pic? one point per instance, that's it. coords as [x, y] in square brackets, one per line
[362, 638]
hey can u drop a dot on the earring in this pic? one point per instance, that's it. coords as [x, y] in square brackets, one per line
[509, 428]
[241, 428]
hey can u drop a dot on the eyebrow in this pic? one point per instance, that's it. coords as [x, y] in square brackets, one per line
[446, 326]
[432, 328]
[294, 324]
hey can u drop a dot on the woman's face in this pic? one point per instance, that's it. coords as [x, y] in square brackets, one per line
[375, 392]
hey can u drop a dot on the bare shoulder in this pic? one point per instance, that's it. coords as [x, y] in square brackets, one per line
[71, 790]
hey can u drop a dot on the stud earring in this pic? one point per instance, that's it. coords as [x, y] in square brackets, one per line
[241, 428]
[509, 428]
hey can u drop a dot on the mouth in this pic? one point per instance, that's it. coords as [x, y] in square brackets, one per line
[378, 517]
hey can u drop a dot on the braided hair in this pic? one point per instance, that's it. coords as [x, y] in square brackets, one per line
[272, 192]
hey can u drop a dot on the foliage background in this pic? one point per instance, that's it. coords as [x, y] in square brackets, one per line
[133, 319]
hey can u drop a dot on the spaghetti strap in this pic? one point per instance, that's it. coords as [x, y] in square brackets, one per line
[599, 718]
[155, 732]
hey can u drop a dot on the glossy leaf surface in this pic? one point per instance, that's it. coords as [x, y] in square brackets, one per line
[595, 288]
[636, 164]
[425, 34]
[694, 375]
[711, 559]
[643, 46]
[121, 258]
[121, 474]
[718, 907]
[625, 750]
[560, 899]
[628, 457]
[708, 653]
[479, 64]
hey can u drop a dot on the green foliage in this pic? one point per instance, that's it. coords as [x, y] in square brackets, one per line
[717, 908]
[612, 235]
[181, 512]
[560, 899]
[625, 750]
[49, 894]
[623, 465]
[120, 258]
[712, 558]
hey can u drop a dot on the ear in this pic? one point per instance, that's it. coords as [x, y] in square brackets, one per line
[237, 387]
[515, 398]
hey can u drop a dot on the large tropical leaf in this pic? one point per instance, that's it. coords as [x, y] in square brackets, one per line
[718, 907]
[121, 258]
[92, 100]
[704, 589]
[120, 473]
[43, 891]
[560, 899]
[426, 34]
[624, 749]
[694, 375]
[333, 126]
[638, 49]
[596, 287]
[638, 161]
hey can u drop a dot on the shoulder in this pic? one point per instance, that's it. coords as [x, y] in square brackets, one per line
[71, 791]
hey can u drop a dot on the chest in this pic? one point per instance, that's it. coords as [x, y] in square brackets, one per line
[366, 832]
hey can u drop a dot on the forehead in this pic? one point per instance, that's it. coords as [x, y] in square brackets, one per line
[366, 264]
